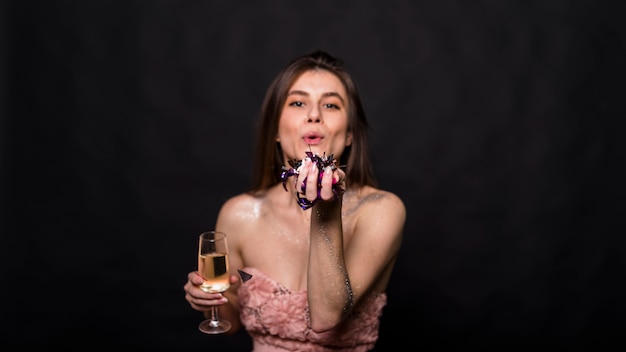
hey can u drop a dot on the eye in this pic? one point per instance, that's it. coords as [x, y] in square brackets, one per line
[331, 106]
[296, 103]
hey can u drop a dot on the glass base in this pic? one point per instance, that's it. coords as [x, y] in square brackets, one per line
[214, 327]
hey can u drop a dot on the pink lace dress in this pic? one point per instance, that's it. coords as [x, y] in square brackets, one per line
[277, 319]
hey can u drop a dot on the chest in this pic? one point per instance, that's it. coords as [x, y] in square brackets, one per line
[279, 246]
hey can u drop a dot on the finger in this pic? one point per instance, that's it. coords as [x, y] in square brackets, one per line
[303, 173]
[204, 302]
[195, 278]
[339, 179]
[311, 182]
[326, 193]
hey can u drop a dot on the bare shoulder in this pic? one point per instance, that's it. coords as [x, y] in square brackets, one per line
[378, 201]
[379, 213]
[243, 206]
[241, 210]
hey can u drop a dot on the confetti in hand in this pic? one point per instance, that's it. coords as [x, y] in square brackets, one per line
[322, 163]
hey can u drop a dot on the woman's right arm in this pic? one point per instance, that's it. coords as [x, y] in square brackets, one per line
[228, 302]
[202, 301]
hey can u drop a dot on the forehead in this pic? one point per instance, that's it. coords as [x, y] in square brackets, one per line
[318, 81]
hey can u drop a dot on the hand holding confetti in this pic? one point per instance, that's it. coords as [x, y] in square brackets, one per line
[323, 163]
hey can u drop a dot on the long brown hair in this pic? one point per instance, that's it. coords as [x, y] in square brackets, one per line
[269, 156]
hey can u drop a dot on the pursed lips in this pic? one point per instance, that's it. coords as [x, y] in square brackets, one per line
[312, 139]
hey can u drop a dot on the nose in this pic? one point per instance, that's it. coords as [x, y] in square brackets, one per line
[314, 115]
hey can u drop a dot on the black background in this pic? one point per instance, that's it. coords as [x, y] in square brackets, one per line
[126, 124]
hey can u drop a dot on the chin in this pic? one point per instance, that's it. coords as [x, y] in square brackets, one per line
[314, 149]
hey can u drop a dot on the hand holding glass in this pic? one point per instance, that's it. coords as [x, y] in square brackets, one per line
[213, 266]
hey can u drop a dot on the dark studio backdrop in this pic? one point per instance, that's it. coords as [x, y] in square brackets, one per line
[126, 124]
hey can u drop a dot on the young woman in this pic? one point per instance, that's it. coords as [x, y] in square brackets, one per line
[318, 237]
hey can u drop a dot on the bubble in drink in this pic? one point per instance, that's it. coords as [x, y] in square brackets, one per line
[214, 270]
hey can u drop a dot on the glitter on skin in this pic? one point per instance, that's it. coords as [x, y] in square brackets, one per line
[349, 208]
[252, 212]
[349, 303]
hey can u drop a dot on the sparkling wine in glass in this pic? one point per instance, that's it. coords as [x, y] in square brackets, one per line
[213, 266]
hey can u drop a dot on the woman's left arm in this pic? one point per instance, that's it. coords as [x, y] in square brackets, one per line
[338, 275]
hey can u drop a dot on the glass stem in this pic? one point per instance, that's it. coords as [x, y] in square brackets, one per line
[215, 320]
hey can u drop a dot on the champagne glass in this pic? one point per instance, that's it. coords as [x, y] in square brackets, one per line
[213, 266]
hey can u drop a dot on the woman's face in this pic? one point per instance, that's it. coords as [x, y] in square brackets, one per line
[314, 117]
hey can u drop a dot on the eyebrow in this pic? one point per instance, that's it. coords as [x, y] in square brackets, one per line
[329, 94]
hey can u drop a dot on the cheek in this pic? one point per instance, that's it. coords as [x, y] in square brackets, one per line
[287, 125]
[285, 130]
